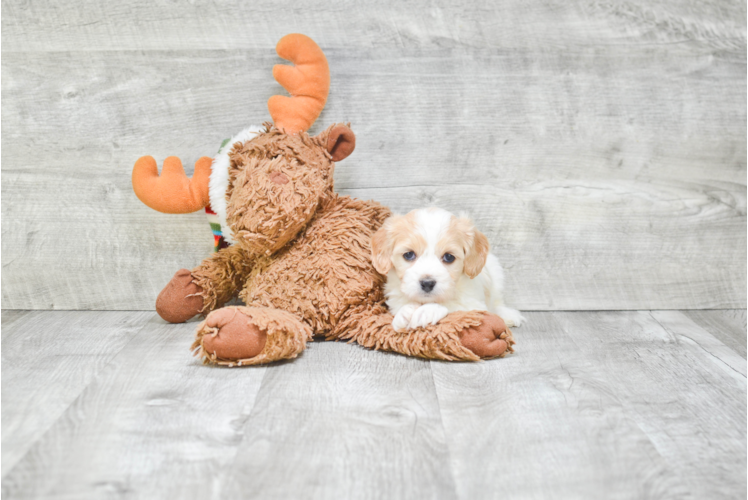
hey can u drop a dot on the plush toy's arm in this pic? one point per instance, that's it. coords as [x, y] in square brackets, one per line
[210, 285]
[463, 336]
[221, 276]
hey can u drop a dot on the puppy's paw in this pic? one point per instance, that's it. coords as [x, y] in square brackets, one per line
[427, 314]
[511, 317]
[403, 316]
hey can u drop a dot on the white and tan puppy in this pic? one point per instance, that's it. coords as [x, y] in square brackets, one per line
[435, 264]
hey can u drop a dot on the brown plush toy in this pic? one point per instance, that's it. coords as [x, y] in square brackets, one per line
[300, 254]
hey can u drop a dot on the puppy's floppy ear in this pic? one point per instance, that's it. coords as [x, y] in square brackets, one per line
[381, 249]
[476, 253]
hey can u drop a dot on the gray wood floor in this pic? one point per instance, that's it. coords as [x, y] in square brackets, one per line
[636, 404]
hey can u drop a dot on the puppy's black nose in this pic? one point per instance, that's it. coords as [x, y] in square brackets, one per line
[428, 284]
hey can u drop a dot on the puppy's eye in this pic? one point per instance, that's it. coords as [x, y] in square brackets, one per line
[448, 258]
[409, 256]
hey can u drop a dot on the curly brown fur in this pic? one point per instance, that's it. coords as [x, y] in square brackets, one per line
[264, 213]
[286, 337]
[302, 260]
[327, 269]
[372, 327]
[221, 275]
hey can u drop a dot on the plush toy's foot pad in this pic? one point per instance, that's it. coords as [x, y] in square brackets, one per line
[181, 299]
[490, 339]
[236, 336]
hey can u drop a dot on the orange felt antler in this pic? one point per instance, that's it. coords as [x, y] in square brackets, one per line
[171, 192]
[308, 82]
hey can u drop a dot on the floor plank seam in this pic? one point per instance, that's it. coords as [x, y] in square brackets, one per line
[94, 378]
[444, 429]
[692, 341]
[224, 472]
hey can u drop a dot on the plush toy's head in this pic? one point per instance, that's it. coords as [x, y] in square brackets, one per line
[273, 180]
[277, 181]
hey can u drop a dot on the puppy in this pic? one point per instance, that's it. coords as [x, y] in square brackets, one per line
[435, 264]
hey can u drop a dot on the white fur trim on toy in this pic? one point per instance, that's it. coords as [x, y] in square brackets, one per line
[219, 178]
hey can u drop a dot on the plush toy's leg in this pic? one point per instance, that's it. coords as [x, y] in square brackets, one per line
[466, 336]
[241, 335]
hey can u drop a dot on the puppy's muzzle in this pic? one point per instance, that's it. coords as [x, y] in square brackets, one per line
[427, 284]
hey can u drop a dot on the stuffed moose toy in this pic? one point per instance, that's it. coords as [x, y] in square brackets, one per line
[296, 253]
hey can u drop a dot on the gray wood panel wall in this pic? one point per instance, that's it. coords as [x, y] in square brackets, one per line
[600, 145]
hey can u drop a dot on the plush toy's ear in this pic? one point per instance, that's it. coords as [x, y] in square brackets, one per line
[341, 141]
[381, 250]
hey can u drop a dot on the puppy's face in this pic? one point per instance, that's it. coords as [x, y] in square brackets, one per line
[429, 249]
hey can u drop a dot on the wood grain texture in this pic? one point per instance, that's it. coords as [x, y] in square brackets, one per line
[338, 422]
[592, 405]
[49, 358]
[11, 316]
[91, 25]
[154, 424]
[606, 404]
[344, 422]
[728, 325]
[600, 146]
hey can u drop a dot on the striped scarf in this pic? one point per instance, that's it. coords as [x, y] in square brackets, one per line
[219, 241]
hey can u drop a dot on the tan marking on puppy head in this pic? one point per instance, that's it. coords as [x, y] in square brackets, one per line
[397, 235]
[467, 244]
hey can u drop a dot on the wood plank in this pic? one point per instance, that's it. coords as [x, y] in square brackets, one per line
[344, 422]
[593, 405]
[10, 316]
[586, 162]
[688, 332]
[697, 414]
[728, 325]
[154, 424]
[613, 404]
[141, 25]
[544, 423]
[49, 358]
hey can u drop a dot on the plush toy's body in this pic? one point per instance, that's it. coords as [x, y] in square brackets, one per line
[300, 257]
